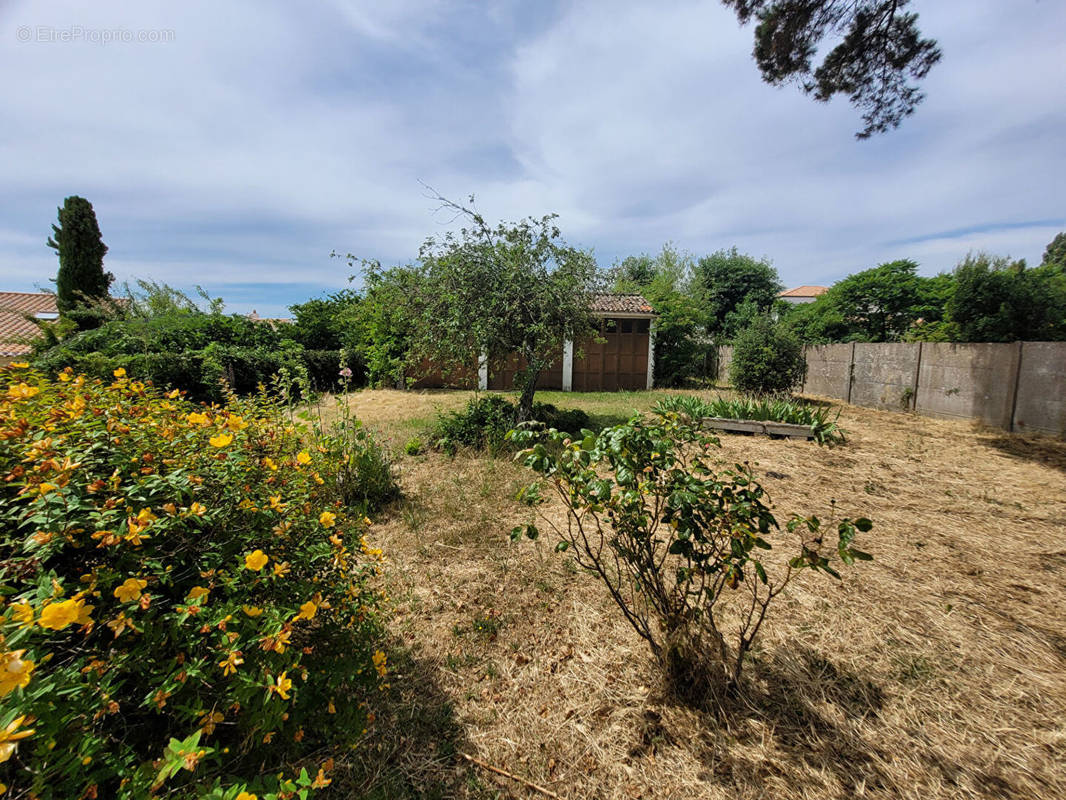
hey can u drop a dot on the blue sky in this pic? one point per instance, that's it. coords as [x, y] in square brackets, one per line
[257, 138]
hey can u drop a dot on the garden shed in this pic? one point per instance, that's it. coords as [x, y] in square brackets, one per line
[621, 357]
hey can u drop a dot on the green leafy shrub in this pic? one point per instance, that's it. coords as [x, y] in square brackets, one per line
[189, 612]
[484, 423]
[767, 359]
[361, 474]
[679, 545]
[324, 369]
[821, 419]
[413, 447]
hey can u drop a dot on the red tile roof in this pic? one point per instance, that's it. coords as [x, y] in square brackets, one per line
[14, 327]
[621, 304]
[804, 291]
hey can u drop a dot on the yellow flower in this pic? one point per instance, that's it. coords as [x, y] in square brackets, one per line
[328, 519]
[281, 569]
[10, 736]
[211, 719]
[196, 592]
[198, 509]
[22, 613]
[22, 391]
[233, 660]
[276, 504]
[379, 663]
[268, 462]
[119, 373]
[256, 560]
[173, 394]
[303, 457]
[130, 590]
[221, 440]
[321, 781]
[196, 418]
[252, 611]
[57, 616]
[235, 423]
[307, 610]
[14, 671]
[282, 687]
[247, 796]
[318, 478]
[21, 365]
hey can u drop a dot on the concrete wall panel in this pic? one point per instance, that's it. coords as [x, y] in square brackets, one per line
[828, 370]
[883, 375]
[968, 381]
[1041, 403]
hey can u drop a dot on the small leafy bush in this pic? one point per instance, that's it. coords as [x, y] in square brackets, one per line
[767, 359]
[188, 611]
[683, 549]
[484, 423]
[413, 447]
[361, 475]
[821, 419]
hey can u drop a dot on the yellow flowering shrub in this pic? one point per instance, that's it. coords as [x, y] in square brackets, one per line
[187, 611]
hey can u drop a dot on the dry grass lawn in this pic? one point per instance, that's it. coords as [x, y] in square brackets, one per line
[936, 671]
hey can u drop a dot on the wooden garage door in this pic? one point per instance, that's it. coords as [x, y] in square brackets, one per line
[503, 370]
[619, 361]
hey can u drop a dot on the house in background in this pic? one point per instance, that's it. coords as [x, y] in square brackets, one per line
[15, 329]
[624, 359]
[802, 294]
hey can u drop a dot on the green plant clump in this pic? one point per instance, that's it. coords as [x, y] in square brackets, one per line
[679, 545]
[189, 611]
[484, 423]
[767, 359]
[821, 419]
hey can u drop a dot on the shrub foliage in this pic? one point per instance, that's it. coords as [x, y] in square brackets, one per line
[767, 359]
[682, 548]
[187, 607]
[821, 419]
[485, 422]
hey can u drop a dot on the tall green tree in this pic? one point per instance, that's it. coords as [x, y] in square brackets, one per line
[872, 52]
[1000, 300]
[735, 287]
[81, 281]
[513, 288]
[1055, 252]
[682, 347]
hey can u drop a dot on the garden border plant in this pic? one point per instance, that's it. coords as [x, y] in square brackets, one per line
[189, 610]
[679, 546]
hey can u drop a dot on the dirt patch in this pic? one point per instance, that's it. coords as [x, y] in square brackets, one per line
[936, 671]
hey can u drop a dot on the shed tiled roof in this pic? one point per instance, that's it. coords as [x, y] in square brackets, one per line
[804, 291]
[621, 304]
[14, 327]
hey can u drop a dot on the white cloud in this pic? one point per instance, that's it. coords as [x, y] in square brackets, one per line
[265, 135]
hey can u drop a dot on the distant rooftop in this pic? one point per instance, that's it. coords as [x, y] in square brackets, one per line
[804, 291]
[621, 304]
[14, 327]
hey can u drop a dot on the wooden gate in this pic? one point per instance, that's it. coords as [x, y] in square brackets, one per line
[619, 361]
[503, 370]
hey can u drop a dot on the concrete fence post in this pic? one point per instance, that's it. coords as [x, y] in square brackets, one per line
[917, 374]
[1013, 389]
[568, 365]
[851, 371]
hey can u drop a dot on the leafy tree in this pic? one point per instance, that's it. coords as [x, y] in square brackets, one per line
[878, 58]
[727, 280]
[513, 288]
[999, 300]
[1055, 252]
[879, 304]
[386, 320]
[665, 280]
[767, 359]
[322, 323]
[81, 281]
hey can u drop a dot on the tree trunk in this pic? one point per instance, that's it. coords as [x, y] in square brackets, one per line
[529, 386]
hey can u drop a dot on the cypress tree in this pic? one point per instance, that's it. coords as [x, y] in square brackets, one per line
[76, 239]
